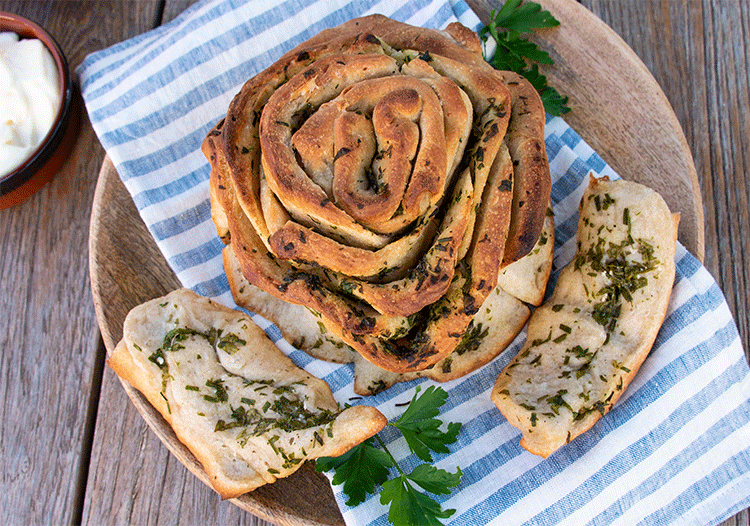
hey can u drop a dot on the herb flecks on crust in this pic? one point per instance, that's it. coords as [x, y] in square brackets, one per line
[244, 410]
[588, 341]
[382, 175]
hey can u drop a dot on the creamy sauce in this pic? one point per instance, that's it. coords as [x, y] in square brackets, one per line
[29, 98]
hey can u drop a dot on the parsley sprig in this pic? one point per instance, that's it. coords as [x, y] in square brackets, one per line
[507, 27]
[365, 466]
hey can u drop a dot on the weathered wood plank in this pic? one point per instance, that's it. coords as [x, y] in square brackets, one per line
[172, 8]
[50, 358]
[727, 47]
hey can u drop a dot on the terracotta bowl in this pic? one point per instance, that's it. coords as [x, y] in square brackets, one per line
[39, 167]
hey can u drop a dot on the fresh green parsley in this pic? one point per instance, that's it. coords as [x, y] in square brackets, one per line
[420, 427]
[507, 27]
[366, 466]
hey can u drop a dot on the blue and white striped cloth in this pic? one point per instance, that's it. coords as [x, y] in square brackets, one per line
[674, 450]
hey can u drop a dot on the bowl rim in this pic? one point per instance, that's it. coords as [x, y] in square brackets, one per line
[25, 28]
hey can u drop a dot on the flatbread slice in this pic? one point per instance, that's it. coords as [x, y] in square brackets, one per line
[247, 413]
[587, 342]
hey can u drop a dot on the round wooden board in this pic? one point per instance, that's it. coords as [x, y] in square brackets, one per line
[617, 107]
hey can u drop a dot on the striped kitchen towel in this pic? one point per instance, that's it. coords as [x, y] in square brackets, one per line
[674, 450]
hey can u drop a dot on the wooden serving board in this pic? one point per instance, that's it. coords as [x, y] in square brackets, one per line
[617, 107]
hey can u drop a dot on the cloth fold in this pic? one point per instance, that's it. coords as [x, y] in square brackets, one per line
[674, 450]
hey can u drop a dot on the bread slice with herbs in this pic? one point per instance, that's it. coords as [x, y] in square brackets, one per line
[245, 411]
[585, 345]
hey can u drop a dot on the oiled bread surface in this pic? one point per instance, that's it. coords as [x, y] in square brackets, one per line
[244, 410]
[585, 345]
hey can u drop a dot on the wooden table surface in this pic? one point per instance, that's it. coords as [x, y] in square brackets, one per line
[73, 449]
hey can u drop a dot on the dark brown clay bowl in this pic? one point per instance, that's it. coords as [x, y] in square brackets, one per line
[42, 164]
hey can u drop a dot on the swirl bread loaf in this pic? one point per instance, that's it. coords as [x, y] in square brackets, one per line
[246, 412]
[587, 342]
[382, 175]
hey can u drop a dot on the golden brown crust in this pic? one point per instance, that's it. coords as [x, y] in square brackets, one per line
[213, 153]
[532, 185]
[369, 175]
[501, 317]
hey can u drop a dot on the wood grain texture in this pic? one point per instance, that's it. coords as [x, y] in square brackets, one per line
[50, 363]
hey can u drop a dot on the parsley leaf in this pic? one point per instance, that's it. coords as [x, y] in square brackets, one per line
[360, 469]
[420, 427]
[435, 480]
[409, 506]
[507, 27]
[364, 466]
[554, 103]
[523, 18]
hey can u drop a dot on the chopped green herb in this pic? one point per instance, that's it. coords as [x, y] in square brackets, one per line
[472, 338]
[220, 392]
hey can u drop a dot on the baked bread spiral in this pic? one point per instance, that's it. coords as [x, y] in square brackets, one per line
[382, 175]
[492, 329]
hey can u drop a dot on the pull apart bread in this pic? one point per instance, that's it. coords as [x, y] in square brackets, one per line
[493, 327]
[244, 410]
[585, 345]
[381, 176]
